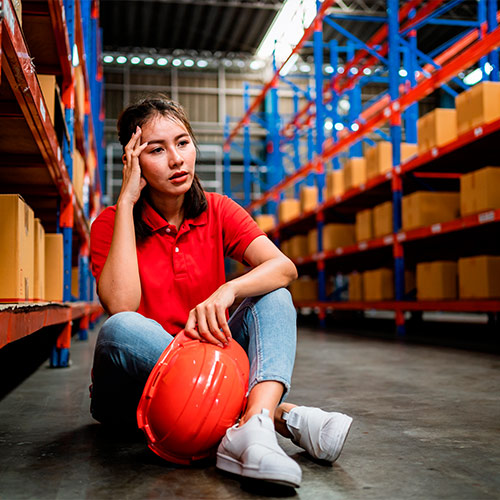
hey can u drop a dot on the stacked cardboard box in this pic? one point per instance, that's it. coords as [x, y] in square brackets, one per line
[364, 225]
[480, 190]
[424, 208]
[308, 198]
[334, 184]
[437, 280]
[297, 246]
[312, 242]
[54, 267]
[288, 210]
[75, 284]
[382, 219]
[265, 222]
[378, 284]
[48, 88]
[437, 128]
[337, 235]
[479, 277]
[356, 287]
[78, 175]
[379, 157]
[354, 172]
[17, 246]
[304, 289]
[39, 265]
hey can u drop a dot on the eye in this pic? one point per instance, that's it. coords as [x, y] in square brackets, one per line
[156, 150]
[183, 142]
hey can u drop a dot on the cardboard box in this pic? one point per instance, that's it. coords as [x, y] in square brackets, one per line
[79, 91]
[297, 246]
[39, 265]
[379, 157]
[54, 267]
[17, 247]
[436, 129]
[382, 219]
[304, 289]
[312, 242]
[17, 4]
[285, 247]
[337, 235]
[308, 198]
[479, 277]
[462, 105]
[334, 184]
[355, 287]
[484, 103]
[480, 190]
[378, 285]
[364, 225]
[437, 280]
[78, 175]
[265, 222]
[354, 173]
[424, 208]
[48, 88]
[75, 283]
[288, 210]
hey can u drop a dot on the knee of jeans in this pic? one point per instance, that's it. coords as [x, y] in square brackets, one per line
[117, 324]
[281, 300]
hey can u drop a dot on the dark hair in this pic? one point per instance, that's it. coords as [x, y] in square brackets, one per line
[137, 114]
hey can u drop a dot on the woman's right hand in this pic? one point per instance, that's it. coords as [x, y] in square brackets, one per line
[133, 182]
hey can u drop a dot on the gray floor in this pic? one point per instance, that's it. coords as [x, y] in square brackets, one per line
[427, 425]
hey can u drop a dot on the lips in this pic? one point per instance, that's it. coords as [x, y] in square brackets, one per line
[178, 176]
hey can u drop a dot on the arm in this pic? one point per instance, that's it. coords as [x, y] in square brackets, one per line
[271, 270]
[119, 285]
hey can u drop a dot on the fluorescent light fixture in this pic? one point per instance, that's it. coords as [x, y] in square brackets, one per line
[328, 70]
[240, 63]
[176, 62]
[344, 105]
[328, 124]
[188, 63]
[76, 59]
[135, 60]
[227, 62]
[474, 77]
[305, 68]
[340, 70]
[121, 59]
[148, 61]
[367, 71]
[286, 30]
[403, 72]
[201, 63]
[354, 71]
[257, 64]
[339, 126]
[162, 61]
[488, 68]
[354, 127]
[290, 65]
[106, 59]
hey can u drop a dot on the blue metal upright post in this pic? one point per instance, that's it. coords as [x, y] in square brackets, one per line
[492, 25]
[227, 160]
[247, 174]
[411, 114]
[334, 60]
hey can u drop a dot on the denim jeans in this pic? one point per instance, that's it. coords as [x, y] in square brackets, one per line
[129, 345]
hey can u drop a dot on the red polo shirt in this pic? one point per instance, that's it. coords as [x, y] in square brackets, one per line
[180, 268]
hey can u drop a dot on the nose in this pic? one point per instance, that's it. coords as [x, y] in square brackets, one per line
[174, 158]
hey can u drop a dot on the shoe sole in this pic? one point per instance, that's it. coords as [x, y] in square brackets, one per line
[228, 464]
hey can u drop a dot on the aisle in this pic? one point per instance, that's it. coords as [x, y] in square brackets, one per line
[426, 426]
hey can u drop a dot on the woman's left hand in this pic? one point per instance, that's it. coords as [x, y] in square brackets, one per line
[207, 321]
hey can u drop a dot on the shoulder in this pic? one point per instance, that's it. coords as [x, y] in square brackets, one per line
[105, 219]
[220, 202]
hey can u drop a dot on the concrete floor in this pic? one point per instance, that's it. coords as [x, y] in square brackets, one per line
[426, 425]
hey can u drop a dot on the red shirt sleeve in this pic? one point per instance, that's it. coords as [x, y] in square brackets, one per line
[239, 229]
[101, 234]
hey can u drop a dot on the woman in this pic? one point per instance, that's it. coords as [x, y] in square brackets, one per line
[158, 258]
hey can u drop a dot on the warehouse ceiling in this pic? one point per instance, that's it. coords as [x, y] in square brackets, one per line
[236, 27]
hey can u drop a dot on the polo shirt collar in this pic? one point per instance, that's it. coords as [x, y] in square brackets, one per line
[155, 221]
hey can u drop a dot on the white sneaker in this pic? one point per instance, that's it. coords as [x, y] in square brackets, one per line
[252, 450]
[320, 433]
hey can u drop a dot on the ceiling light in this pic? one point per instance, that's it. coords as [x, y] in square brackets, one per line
[328, 70]
[162, 61]
[488, 68]
[256, 64]
[339, 126]
[201, 63]
[106, 59]
[340, 70]
[176, 62]
[121, 59]
[305, 68]
[474, 77]
[240, 63]
[227, 63]
[149, 61]
[188, 63]
[289, 65]
[76, 58]
[403, 72]
[354, 127]
[135, 60]
[367, 71]
[344, 105]
[354, 71]
[328, 124]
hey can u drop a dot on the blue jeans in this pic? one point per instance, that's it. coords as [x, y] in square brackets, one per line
[129, 345]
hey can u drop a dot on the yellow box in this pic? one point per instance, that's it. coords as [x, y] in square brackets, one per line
[364, 225]
[48, 88]
[382, 219]
[39, 264]
[288, 210]
[337, 235]
[480, 190]
[79, 91]
[265, 222]
[379, 157]
[304, 289]
[436, 129]
[334, 184]
[308, 198]
[479, 277]
[54, 267]
[484, 103]
[285, 247]
[354, 173]
[424, 208]
[378, 285]
[75, 284]
[17, 246]
[437, 280]
[78, 175]
[298, 246]
[462, 105]
[312, 242]
[355, 287]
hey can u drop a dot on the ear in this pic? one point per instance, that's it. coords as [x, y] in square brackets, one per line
[124, 158]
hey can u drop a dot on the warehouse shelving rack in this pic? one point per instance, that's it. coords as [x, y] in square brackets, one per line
[436, 167]
[37, 163]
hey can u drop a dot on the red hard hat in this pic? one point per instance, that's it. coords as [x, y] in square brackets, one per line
[195, 392]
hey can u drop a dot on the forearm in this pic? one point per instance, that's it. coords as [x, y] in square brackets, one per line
[119, 284]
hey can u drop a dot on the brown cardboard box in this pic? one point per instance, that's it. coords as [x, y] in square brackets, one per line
[17, 246]
[54, 267]
[308, 198]
[288, 210]
[437, 280]
[355, 287]
[378, 285]
[364, 225]
[304, 289]
[79, 91]
[312, 242]
[354, 172]
[484, 103]
[462, 105]
[265, 222]
[479, 277]
[480, 190]
[436, 129]
[39, 266]
[78, 175]
[424, 208]
[75, 285]
[48, 88]
[334, 184]
[382, 219]
[379, 157]
[337, 235]
[298, 246]
[285, 247]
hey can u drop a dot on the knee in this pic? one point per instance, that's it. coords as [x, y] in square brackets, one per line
[280, 300]
[122, 323]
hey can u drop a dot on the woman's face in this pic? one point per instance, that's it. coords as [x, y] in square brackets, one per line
[168, 161]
